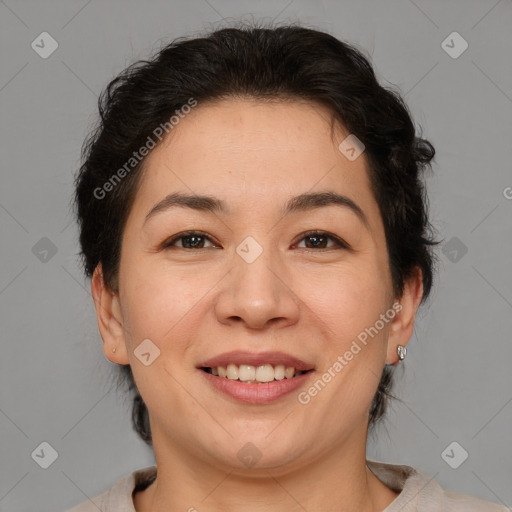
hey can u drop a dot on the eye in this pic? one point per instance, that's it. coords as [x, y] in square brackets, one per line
[314, 240]
[188, 240]
[320, 239]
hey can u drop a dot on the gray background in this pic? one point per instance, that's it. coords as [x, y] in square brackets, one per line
[55, 383]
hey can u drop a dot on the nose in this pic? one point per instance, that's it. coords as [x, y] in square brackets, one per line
[257, 294]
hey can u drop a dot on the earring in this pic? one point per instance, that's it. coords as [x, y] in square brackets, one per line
[402, 352]
[114, 350]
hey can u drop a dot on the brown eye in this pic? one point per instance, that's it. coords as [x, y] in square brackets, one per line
[189, 240]
[320, 240]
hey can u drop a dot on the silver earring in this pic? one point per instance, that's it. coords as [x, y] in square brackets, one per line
[402, 352]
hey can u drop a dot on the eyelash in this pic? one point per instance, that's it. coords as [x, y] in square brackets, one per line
[341, 244]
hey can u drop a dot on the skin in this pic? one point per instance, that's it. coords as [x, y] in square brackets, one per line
[310, 302]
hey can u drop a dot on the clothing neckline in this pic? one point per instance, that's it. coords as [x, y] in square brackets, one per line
[405, 480]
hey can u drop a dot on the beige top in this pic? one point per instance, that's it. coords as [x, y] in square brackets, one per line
[418, 493]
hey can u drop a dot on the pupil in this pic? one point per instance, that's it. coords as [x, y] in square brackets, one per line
[193, 244]
[316, 238]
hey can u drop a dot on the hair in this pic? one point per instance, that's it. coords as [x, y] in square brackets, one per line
[263, 63]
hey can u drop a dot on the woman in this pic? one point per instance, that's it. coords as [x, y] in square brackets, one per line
[254, 221]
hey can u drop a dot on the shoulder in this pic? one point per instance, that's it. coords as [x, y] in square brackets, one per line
[117, 498]
[463, 502]
[420, 493]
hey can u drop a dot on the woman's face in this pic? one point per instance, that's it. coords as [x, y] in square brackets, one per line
[252, 280]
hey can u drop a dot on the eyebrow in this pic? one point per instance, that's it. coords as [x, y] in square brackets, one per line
[301, 203]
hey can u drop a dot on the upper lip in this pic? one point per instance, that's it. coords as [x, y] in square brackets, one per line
[257, 359]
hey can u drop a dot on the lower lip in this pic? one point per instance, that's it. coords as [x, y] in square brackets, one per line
[263, 393]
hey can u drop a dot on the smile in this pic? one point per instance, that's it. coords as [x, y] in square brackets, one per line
[254, 374]
[255, 378]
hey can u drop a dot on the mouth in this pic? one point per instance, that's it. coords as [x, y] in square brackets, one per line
[255, 378]
[251, 374]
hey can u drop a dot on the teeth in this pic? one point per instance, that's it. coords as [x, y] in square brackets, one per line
[232, 371]
[279, 372]
[246, 372]
[249, 373]
[265, 373]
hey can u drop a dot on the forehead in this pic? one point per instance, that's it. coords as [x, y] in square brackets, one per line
[249, 152]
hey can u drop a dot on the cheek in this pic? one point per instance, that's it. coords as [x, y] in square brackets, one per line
[353, 347]
[161, 308]
[158, 304]
[349, 301]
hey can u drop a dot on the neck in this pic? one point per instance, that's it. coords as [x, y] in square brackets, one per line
[337, 481]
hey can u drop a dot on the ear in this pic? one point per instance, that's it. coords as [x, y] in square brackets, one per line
[110, 320]
[402, 326]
